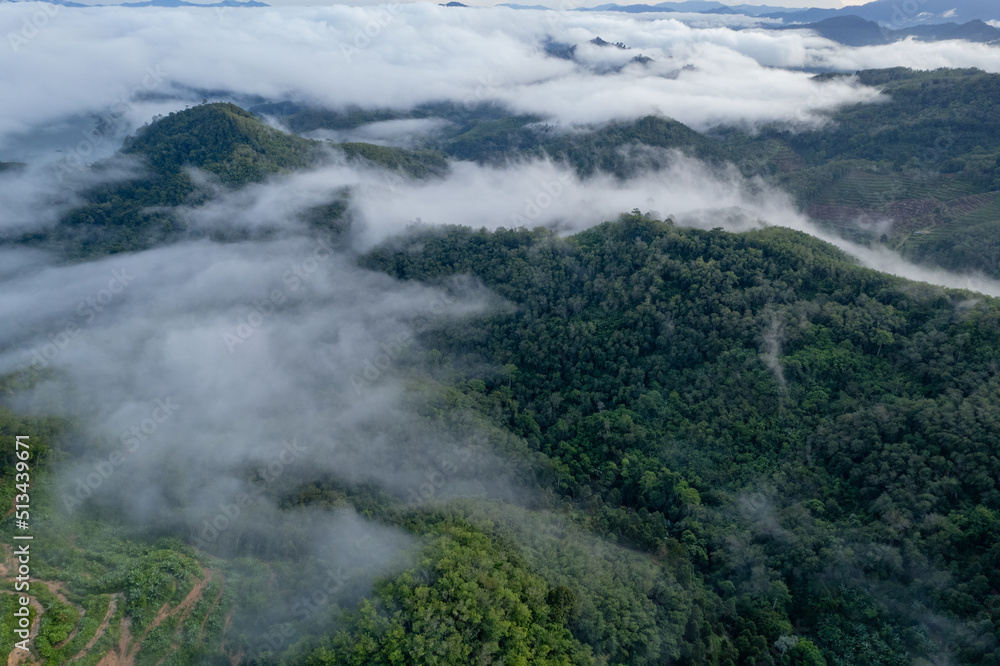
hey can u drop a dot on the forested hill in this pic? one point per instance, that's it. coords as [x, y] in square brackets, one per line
[917, 172]
[817, 441]
[223, 139]
[725, 448]
[232, 146]
[730, 448]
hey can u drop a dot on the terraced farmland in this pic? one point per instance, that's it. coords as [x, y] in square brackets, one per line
[81, 626]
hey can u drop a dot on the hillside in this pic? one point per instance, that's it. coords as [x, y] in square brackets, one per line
[657, 334]
[232, 146]
[927, 160]
[739, 448]
[720, 448]
[691, 386]
[917, 172]
[894, 15]
[222, 139]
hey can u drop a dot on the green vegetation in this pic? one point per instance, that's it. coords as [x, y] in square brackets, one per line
[728, 448]
[467, 599]
[137, 213]
[222, 139]
[926, 158]
[605, 149]
[8, 604]
[412, 163]
[638, 364]
[743, 449]
[495, 139]
[301, 120]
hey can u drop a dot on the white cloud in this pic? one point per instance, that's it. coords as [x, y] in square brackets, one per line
[132, 64]
[914, 54]
[405, 133]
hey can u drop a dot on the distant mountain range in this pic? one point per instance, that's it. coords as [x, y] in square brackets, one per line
[692, 6]
[855, 31]
[897, 15]
[891, 14]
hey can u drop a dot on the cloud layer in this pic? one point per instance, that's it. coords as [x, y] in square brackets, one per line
[202, 372]
[67, 66]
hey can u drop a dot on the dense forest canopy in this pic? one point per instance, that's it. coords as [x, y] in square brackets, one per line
[718, 448]
[690, 386]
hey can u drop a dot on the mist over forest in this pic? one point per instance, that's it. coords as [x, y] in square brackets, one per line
[425, 334]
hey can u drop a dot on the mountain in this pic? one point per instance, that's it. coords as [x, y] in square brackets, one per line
[887, 13]
[926, 158]
[597, 41]
[852, 30]
[602, 149]
[636, 361]
[810, 15]
[973, 31]
[225, 141]
[727, 448]
[896, 15]
[221, 139]
[700, 6]
[849, 30]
